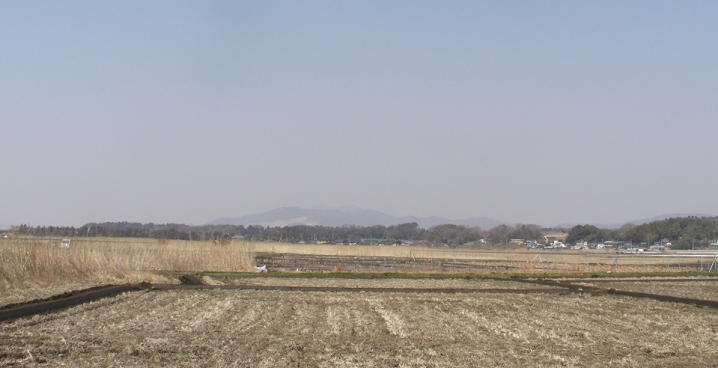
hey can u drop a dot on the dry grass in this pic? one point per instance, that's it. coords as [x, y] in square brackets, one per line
[520, 255]
[387, 251]
[29, 262]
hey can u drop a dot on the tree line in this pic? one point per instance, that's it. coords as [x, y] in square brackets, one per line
[448, 234]
[683, 232]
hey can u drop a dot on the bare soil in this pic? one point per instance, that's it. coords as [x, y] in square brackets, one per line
[348, 329]
[706, 290]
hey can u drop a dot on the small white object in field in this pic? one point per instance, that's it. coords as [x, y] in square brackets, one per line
[65, 243]
[262, 269]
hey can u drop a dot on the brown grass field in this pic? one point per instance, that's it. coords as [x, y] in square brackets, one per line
[501, 324]
[37, 268]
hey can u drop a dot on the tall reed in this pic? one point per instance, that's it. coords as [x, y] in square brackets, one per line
[32, 260]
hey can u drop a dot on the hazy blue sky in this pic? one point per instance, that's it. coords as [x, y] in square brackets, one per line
[184, 111]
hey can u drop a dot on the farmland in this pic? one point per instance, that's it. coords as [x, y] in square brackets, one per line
[278, 328]
[38, 267]
[435, 307]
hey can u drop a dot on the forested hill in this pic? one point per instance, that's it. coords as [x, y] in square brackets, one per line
[685, 232]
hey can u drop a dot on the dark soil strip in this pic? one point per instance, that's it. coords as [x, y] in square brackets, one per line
[190, 279]
[597, 291]
[54, 297]
[28, 309]
[353, 289]
[666, 298]
[590, 280]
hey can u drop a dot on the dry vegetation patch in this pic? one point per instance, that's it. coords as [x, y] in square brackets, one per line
[33, 268]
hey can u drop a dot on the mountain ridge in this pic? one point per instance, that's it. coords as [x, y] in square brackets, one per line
[289, 216]
[353, 215]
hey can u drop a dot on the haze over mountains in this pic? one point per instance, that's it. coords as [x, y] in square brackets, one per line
[352, 215]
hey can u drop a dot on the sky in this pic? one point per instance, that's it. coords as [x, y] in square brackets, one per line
[541, 112]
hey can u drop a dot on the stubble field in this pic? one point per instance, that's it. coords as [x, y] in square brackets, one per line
[246, 328]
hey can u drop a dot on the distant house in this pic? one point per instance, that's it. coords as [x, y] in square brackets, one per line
[606, 246]
[657, 248]
[552, 237]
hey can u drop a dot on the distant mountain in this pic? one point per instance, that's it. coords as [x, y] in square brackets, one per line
[636, 222]
[350, 215]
